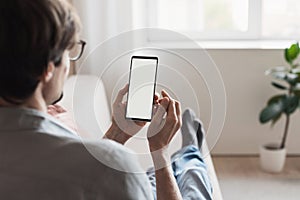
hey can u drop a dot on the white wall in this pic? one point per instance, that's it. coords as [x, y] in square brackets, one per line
[247, 91]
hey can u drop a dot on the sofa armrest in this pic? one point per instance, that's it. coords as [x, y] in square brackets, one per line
[217, 195]
[85, 98]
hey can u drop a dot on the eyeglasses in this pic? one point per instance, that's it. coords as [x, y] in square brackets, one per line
[77, 50]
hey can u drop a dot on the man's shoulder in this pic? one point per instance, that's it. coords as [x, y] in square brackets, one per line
[103, 153]
[112, 167]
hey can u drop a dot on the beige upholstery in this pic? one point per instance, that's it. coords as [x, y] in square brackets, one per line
[217, 195]
[85, 98]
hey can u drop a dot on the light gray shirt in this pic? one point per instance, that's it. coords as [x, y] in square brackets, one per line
[42, 159]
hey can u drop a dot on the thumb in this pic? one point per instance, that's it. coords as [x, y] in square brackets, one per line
[121, 93]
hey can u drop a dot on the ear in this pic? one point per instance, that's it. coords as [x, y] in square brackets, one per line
[49, 72]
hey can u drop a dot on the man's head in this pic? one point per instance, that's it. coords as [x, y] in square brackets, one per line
[35, 38]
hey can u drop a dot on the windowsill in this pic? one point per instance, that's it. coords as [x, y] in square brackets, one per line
[228, 44]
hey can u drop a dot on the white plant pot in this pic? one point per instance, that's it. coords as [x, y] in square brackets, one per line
[272, 159]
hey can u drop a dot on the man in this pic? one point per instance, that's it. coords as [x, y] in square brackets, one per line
[40, 158]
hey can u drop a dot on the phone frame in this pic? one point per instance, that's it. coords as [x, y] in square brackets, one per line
[155, 78]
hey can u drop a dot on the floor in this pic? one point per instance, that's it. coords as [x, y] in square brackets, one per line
[241, 178]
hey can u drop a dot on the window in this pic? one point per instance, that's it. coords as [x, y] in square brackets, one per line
[227, 19]
[281, 19]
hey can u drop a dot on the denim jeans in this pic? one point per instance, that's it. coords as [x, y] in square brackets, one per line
[191, 174]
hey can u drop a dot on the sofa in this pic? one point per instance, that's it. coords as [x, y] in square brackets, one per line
[85, 96]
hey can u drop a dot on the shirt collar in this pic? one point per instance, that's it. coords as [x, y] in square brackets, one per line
[26, 119]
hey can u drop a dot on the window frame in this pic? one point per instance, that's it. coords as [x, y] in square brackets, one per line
[254, 27]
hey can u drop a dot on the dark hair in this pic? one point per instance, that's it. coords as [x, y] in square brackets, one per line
[32, 34]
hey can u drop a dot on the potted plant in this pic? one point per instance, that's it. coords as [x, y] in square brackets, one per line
[287, 80]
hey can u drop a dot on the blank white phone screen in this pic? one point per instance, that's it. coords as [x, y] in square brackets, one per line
[141, 88]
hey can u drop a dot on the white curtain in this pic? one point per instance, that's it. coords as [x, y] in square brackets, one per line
[103, 19]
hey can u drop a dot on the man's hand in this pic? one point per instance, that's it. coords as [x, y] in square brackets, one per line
[62, 115]
[55, 110]
[165, 123]
[123, 129]
[129, 127]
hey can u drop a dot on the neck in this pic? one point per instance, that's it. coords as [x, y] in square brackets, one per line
[35, 101]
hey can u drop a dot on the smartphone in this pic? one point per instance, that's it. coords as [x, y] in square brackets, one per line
[142, 82]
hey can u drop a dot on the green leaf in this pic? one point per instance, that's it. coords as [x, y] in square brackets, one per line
[286, 56]
[278, 72]
[296, 92]
[276, 99]
[279, 86]
[279, 75]
[290, 103]
[276, 69]
[296, 70]
[275, 119]
[271, 111]
[291, 53]
[277, 105]
[292, 78]
[296, 89]
[298, 79]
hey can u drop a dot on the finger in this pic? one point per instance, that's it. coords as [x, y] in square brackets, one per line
[178, 108]
[165, 94]
[174, 117]
[178, 112]
[121, 94]
[51, 110]
[171, 115]
[55, 109]
[162, 108]
[140, 123]
[59, 108]
[52, 107]
[156, 98]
